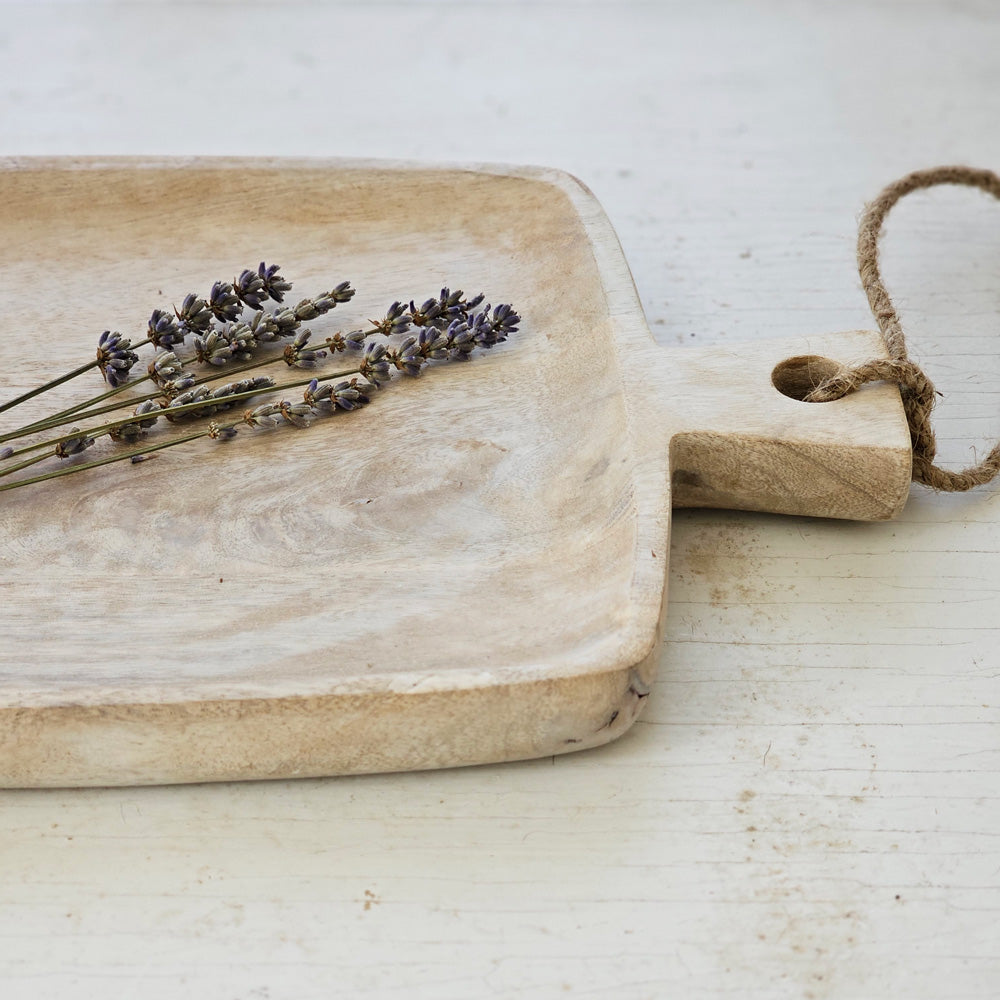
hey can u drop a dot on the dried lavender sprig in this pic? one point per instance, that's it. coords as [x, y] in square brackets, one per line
[215, 348]
[107, 460]
[65, 447]
[461, 337]
[344, 395]
[431, 344]
[479, 330]
[200, 405]
[113, 350]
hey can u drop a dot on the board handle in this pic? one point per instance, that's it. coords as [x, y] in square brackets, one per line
[745, 439]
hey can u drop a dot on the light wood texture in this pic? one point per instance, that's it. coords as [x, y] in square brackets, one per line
[809, 804]
[502, 526]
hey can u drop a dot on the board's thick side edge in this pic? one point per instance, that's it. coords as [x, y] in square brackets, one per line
[315, 736]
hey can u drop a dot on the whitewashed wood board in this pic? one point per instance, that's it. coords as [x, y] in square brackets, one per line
[470, 570]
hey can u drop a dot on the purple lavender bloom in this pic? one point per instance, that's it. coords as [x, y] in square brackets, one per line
[451, 304]
[350, 395]
[263, 327]
[433, 344]
[148, 411]
[115, 357]
[309, 309]
[274, 284]
[461, 340]
[249, 289]
[296, 354]
[255, 384]
[262, 416]
[173, 387]
[195, 395]
[396, 320]
[505, 321]
[315, 393]
[284, 323]
[241, 339]
[213, 349]
[407, 357]
[194, 315]
[427, 314]
[375, 366]
[164, 330]
[164, 367]
[224, 302]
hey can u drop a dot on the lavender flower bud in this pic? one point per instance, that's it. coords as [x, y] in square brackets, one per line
[450, 303]
[249, 288]
[263, 327]
[396, 320]
[164, 330]
[309, 309]
[195, 395]
[6, 452]
[505, 321]
[115, 357]
[134, 431]
[297, 414]
[257, 383]
[342, 293]
[147, 408]
[212, 350]
[194, 314]
[74, 445]
[407, 357]
[164, 367]
[315, 393]
[223, 302]
[175, 386]
[262, 416]
[274, 284]
[296, 355]
[285, 322]
[461, 340]
[375, 367]
[426, 314]
[350, 395]
[433, 344]
[242, 342]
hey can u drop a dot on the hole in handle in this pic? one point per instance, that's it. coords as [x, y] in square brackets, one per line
[797, 377]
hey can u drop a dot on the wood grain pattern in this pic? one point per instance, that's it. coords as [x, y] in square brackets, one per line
[471, 570]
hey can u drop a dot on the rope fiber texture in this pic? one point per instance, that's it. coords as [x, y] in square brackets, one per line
[915, 387]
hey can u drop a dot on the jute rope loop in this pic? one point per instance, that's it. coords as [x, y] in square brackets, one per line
[915, 387]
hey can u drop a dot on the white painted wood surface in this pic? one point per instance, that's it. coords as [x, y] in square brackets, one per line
[810, 805]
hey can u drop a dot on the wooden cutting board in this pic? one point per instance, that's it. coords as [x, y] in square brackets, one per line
[471, 569]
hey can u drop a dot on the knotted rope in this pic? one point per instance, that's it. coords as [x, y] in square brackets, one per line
[915, 387]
